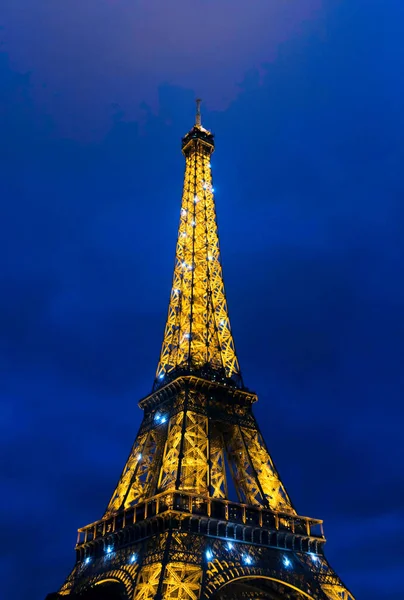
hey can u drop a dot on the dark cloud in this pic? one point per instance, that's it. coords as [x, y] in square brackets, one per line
[156, 44]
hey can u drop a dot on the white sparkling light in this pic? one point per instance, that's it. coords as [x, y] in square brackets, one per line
[209, 554]
[286, 561]
[139, 456]
[247, 559]
[109, 549]
[88, 559]
[230, 545]
[133, 558]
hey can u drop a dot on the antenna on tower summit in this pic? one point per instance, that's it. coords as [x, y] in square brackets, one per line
[198, 112]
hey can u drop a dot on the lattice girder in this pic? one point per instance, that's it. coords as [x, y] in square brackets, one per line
[194, 464]
[218, 479]
[129, 481]
[169, 469]
[270, 483]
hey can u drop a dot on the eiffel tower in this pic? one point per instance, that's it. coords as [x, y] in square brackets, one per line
[171, 529]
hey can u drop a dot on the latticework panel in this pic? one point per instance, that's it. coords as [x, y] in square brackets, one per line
[148, 582]
[139, 477]
[185, 459]
[182, 581]
[146, 477]
[194, 464]
[218, 479]
[169, 467]
[267, 475]
[130, 478]
[245, 480]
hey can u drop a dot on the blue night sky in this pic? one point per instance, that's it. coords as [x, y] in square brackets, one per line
[306, 100]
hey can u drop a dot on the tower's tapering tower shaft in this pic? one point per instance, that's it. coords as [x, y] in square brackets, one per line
[200, 511]
[197, 335]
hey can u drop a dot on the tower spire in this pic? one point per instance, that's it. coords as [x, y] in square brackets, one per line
[198, 112]
[197, 336]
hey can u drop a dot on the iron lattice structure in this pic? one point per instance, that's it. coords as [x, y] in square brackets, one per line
[170, 529]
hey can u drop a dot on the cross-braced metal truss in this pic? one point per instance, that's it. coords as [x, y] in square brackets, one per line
[138, 479]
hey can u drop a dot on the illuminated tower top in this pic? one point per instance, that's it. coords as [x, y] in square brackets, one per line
[197, 336]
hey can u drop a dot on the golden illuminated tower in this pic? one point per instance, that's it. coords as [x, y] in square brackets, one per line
[172, 529]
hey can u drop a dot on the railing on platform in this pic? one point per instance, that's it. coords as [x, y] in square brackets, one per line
[212, 508]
